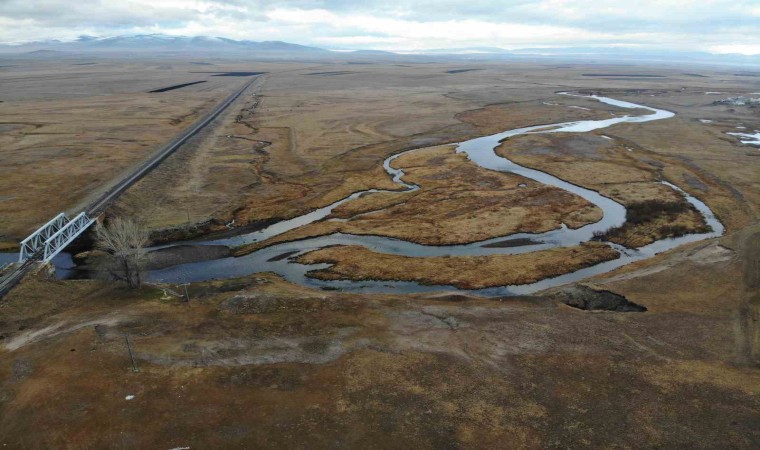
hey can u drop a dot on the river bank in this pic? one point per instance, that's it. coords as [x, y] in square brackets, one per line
[480, 151]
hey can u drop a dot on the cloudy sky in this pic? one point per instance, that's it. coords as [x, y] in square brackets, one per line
[719, 26]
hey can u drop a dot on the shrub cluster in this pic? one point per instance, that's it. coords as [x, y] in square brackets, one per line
[646, 211]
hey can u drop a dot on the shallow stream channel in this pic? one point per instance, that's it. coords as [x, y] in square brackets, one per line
[279, 258]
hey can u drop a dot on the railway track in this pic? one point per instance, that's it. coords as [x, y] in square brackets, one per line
[14, 275]
[99, 205]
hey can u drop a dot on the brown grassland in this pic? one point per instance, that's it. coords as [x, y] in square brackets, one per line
[261, 362]
[466, 272]
[60, 146]
[457, 203]
[306, 141]
[612, 168]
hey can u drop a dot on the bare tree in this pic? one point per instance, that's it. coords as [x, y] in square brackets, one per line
[124, 240]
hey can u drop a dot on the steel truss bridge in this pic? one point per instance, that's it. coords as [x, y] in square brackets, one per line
[59, 232]
[54, 236]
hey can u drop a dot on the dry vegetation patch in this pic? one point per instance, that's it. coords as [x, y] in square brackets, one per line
[498, 117]
[619, 170]
[458, 202]
[329, 135]
[61, 151]
[258, 362]
[701, 160]
[466, 272]
[651, 220]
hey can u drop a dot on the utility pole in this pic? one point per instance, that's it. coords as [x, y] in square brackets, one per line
[187, 296]
[131, 356]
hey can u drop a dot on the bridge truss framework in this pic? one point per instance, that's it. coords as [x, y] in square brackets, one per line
[54, 236]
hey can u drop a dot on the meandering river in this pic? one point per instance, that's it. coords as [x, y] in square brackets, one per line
[480, 151]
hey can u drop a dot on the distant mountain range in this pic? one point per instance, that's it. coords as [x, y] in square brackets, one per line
[634, 54]
[160, 44]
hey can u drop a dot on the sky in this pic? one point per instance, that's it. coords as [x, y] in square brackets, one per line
[716, 26]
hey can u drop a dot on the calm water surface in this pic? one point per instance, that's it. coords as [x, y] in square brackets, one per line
[480, 151]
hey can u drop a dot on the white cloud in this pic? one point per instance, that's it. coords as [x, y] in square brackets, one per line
[750, 49]
[715, 25]
[418, 34]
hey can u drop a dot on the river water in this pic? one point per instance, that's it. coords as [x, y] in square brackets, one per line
[480, 151]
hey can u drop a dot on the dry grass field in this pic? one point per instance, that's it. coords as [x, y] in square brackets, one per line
[321, 150]
[612, 168]
[66, 137]
[466, 272]
[260, 362]
[309, 134]
[305, 140]
[457, 203]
